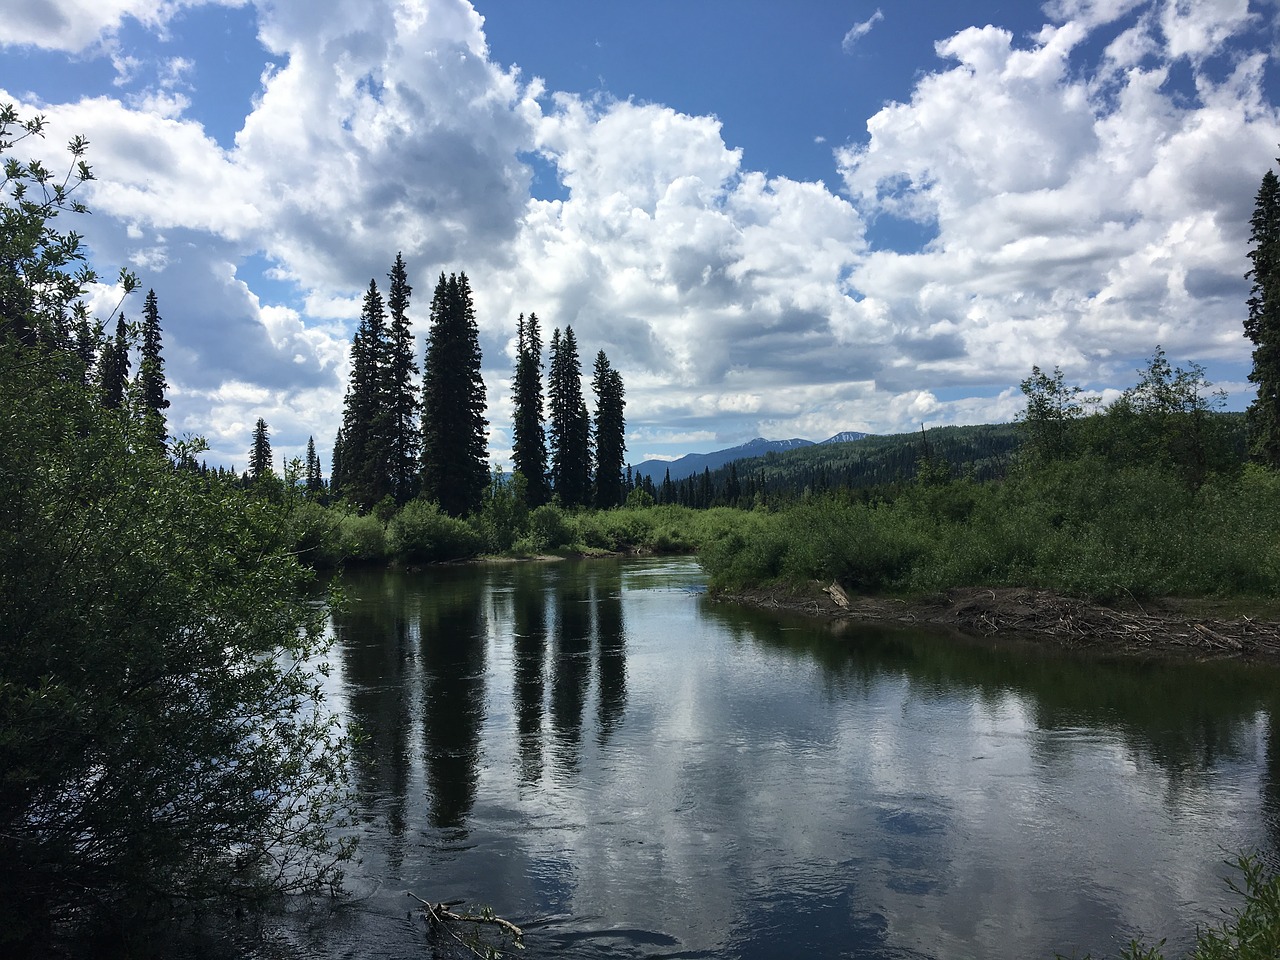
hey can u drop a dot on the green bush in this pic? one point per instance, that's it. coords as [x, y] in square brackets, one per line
[549, 528]
[504, 514]
[164, 743]
[314, 534]
[422, 533]
[361, 538]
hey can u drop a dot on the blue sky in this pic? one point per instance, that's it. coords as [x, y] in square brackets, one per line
[776, 219]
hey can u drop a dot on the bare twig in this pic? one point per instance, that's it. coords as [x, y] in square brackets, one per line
[440, 916]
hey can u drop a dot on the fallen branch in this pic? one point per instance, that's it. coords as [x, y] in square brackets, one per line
[439, 916]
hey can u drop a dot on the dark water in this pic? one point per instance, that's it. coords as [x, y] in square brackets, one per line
[626, 769]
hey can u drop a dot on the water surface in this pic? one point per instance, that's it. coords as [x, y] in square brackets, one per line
[627, 769]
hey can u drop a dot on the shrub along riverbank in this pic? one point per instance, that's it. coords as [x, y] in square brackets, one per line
[419, 532]
[1082, 528]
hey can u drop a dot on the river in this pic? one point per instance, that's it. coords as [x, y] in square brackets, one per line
[625, 768]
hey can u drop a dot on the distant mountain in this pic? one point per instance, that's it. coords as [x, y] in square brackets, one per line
[848, 436]
[694, 463]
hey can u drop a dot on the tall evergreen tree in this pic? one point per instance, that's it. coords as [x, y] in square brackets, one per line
[113, 367]
[402, 388]
[366, 436]
[570, 427]
[260, 453]
[87, 343]
[610, 432]
[529, 440]
[455, 469]
[1262, 326]
[337, 473]
[151, 382]
[314, 477]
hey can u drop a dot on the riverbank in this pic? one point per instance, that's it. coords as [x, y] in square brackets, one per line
[1165, 626]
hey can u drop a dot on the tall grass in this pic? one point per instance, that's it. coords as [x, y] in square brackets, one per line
[1080, 527]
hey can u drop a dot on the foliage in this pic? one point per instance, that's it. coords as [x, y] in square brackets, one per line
[162, 732]
[42, 269]
[454, 443]
[1168, 420]
[1262, 325]
[260, 453]
[362, 539]
[549, 529]
[529, 441]
[610, 432]
[1084, 526]
[161, 728]
[151, 381]
[504, 514]
[401, 399]
[362, 459]
[312, 533]
[313, 478]
[570, 427]
[1052, 408]
[877, 466]
[422, 533]
[639, 498]
[113, 367]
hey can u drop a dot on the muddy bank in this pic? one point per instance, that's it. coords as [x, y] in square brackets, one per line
[1162, 627]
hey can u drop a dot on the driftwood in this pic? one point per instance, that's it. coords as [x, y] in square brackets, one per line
[836, 593]
[1030, 612]
[1080, 623]
[440, 916]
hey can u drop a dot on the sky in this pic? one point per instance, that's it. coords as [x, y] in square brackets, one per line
[777, 220]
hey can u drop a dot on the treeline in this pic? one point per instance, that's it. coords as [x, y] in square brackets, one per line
[403, 438]
[875, 466]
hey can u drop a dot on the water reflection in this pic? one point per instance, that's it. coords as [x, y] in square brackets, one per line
[611, 669]
[413, 648]
[570, 670]
[378, 663]
[529, 640]
[629, 769]
[452, 644]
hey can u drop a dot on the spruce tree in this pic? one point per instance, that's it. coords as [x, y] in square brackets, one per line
[1262, 326]
[87, 344]
[402, 388]
[260, 453]
[337, 476]
[151, 382]
[570, 427]
[366, 435]
[610, 431]
[529, 441]
[113, 367]
[455, 468]
[314, 478]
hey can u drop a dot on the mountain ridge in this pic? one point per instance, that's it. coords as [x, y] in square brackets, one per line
[694, 463]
